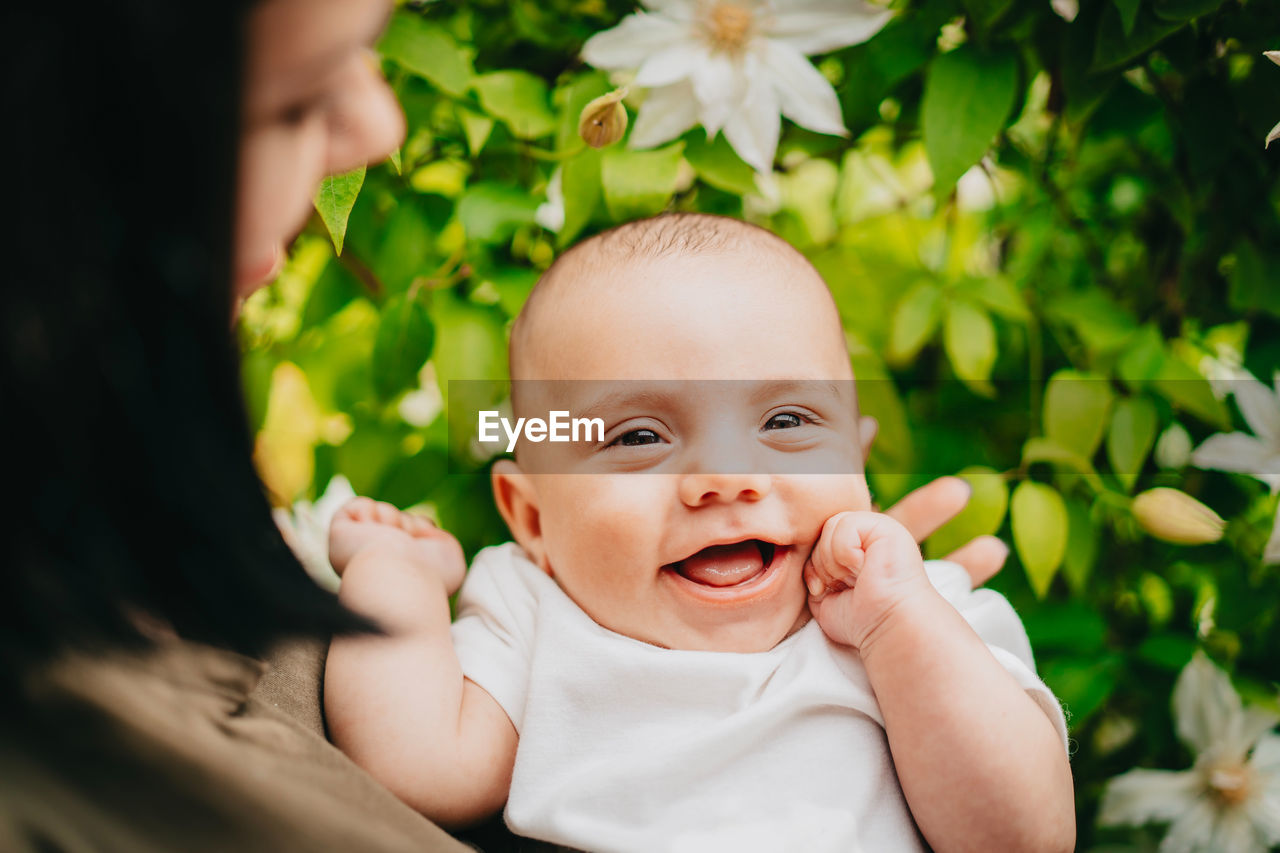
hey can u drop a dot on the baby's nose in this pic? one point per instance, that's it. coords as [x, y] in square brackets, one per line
[702, 489]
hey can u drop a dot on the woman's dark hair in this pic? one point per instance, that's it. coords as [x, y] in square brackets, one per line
[131, 486]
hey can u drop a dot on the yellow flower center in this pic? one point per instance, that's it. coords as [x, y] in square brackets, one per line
[728, 26]
[1232, 784]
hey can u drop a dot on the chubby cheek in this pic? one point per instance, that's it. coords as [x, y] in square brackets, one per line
[601, 534]
[815, 498]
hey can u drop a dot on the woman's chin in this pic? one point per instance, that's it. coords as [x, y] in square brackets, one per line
[259, 272]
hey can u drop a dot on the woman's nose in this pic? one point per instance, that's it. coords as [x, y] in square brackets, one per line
[704, 489]
[376, 128]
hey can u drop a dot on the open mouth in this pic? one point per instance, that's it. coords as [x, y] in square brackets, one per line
[728, 565]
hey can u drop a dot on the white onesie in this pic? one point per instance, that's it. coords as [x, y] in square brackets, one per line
[626, 746]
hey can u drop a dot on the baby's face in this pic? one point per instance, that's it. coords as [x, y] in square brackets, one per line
[730, 438]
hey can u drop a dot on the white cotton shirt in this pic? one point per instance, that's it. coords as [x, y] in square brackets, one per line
[625, 746]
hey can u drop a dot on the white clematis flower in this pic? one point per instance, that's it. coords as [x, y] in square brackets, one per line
[1229, 801]
[1257, 455]
[1274, 56]
[306, 530]
[734, 66]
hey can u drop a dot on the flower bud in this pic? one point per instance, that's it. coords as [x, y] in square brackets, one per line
[603, 121]
[1173, 449]
[1177, 517]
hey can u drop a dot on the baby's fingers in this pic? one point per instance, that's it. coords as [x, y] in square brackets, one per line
[836, 558]
[358, 509]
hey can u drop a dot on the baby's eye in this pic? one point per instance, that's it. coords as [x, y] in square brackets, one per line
[635, 438]
[784, 420]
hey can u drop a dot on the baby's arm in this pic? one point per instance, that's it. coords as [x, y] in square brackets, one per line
[398, 704]
[980, 764]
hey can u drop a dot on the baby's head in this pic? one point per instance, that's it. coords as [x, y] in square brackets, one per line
[712, 351]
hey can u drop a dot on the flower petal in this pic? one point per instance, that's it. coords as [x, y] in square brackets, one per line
[819, 26]
[633, 41]
[1261, 409]
[671, 64]
[1264, 813]
[1234, 833]
[754, 128]
[1273, 55]
[666, 113]
[720, 84]
[1232, 451]
[1192, 830]
[1066, 9]
[1272, 136]
[805, 95]
[1266, 759]
[1142, 796]
[550, 214]
[1204, 703]
[680, 10]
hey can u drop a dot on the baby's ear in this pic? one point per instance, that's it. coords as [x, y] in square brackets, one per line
[517, 500]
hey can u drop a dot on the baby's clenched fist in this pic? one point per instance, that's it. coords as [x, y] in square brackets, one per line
[363, 524]
[864, 566]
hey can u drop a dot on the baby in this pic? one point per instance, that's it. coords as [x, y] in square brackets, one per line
[703, 638]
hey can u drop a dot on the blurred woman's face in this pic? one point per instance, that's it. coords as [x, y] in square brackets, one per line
[315, 104]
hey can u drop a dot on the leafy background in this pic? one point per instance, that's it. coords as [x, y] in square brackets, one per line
[1036, 232]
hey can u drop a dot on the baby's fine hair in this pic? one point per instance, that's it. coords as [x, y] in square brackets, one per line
[667, 235]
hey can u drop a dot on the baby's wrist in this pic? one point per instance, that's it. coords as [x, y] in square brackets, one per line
[902, 616]
[393, 571]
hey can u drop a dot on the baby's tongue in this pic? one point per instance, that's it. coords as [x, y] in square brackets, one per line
[723, 565]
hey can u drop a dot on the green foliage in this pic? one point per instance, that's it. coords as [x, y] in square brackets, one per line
[334, 200]
[1032, 323]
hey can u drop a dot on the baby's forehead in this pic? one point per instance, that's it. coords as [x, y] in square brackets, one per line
[753, 281]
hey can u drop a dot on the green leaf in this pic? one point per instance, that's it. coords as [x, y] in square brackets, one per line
[1116, 47]
[476, 128]
[718, 164]
[403, 344]
[491, 212]
[1039, 520]
[1130, 437]
[1186, 389]
[394, 157]
[1142, 357]
[1082, 548]
[915, 320]
[1102, 325]
[334, 200]
[969, 338]
[519, 100]
[1076, 406]
[1000, 296]
[968, 95]
[425, 49]
[1083, 685]
[1252, 285]
[1184, 10]
[639, 183]
[981, 516]
[1128, 10]
[580, 183]
[1070, 626]
[1046, 450]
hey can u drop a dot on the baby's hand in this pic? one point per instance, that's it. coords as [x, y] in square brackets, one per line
[365, 524]
[864, 566]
